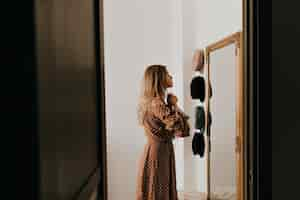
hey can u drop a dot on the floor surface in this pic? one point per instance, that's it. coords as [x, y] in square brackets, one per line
[202, 196]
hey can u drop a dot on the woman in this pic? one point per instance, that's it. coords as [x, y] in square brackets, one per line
[156, 178]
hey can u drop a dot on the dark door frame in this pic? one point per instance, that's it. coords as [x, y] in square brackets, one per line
[254, 62]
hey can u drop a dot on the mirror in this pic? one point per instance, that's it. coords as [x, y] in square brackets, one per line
[223, 129]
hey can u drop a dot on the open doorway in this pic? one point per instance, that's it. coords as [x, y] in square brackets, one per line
[136, 35]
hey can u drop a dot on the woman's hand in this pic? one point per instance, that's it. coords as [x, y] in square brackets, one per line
[172, 99]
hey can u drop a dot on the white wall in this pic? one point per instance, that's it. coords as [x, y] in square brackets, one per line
[204, 22]
[217, 19]
[193, 165]
[137, 33]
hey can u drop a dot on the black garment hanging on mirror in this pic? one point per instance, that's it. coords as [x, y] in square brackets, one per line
[197, 88]
[198, 143]
[200, 119]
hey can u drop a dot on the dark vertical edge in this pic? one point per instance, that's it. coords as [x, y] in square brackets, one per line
[255, 96]
[264, 104]
[245, 95]
[101, 112]
[256, 83]
[251, 35]
[251, 57]
[35, 111]
[248, 53]
[97, 66]
[98, 85]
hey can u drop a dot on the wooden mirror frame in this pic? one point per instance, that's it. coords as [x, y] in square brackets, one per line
[237, 39]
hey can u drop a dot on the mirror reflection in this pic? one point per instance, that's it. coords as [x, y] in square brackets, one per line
[223, 129]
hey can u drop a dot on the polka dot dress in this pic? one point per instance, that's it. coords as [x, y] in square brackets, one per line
[156, 178]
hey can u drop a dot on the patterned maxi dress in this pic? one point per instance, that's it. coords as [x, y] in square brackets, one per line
[156, 178]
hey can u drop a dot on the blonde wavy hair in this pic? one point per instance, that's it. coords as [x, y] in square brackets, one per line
[153, 85]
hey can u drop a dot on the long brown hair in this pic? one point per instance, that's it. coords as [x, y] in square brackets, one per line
[153, 85]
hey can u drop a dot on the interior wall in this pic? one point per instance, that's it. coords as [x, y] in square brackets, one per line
[193, 165]
[217, 19]
[137, 33]
[204, 22]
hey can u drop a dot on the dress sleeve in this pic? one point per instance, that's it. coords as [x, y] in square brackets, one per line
[167, 115]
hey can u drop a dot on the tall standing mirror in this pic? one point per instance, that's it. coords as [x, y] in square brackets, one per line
[225, 162]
